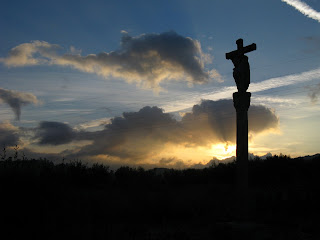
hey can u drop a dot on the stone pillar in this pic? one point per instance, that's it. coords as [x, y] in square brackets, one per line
[241, 102]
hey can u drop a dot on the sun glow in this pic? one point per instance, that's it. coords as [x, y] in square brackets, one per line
[222, 151]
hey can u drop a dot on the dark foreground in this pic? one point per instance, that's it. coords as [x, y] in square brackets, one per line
[47, 201]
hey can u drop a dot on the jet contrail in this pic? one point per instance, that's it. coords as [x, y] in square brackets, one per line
[226, 92]
[304, 9]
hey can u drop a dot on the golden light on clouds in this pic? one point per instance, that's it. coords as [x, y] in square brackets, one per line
[223, 150]
[150, 136]
[175, 156]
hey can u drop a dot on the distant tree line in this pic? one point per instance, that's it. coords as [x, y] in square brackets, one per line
[278, 169]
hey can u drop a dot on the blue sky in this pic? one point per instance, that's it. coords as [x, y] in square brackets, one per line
[285, 76]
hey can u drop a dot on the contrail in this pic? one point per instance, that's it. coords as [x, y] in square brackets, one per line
[226, 92]
[285, 80]
[304, 8]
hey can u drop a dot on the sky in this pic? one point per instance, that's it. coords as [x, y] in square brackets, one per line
[146, 83]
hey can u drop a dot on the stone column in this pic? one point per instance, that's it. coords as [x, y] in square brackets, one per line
[241, 102]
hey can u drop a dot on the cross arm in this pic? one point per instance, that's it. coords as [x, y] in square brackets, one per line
[244, 50]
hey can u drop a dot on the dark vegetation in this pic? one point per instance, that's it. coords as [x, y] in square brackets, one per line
[54, 201]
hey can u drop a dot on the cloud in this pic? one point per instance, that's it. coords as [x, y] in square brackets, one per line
[304, 8]
[54, 133]
[28, 54]
[17, 99]
[215, 121]
[314, 93]
[147, 59]
[9, 135]
[145, 134]
[93, 124]
[133, 136]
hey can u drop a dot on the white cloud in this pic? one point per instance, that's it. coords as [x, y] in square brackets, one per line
[304, 8]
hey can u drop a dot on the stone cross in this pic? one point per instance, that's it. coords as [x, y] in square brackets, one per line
[240, 49]
[241, 102]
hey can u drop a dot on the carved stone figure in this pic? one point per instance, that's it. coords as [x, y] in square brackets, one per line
[241, 71]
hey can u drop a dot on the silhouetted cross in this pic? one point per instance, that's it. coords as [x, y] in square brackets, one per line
[241, 101]
[240, 49]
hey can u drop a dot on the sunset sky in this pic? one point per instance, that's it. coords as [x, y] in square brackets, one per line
[147, 82]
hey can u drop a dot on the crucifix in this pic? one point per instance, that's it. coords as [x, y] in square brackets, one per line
[241, 102]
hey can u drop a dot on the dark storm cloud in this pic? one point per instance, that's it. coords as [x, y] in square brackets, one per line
[140, 135]
[16, 100]
[135, 134]
[54, 133]
[147, 59]
[9, 135]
